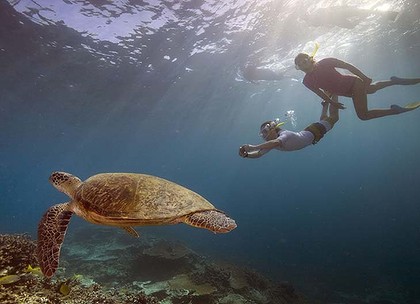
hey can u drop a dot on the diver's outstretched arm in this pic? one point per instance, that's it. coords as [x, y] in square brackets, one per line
[333, 112]
[326, 98]
[256, 151]
[324, 112]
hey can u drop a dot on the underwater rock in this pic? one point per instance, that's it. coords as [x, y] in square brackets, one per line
[150, 288]
[161, 260]
[169, 251]
[213, 274]
[183, 281]
[237, 279]
[234, 299]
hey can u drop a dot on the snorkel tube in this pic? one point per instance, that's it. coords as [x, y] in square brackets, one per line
[316, 47]
[278, 122]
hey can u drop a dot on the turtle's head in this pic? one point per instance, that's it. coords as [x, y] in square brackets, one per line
[65, 182]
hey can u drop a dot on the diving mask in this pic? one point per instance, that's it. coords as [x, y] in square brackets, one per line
[269, 126]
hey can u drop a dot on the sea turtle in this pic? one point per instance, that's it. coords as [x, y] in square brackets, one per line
[123, 200]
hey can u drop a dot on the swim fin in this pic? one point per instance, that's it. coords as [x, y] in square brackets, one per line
[404, 81]
[408, 107]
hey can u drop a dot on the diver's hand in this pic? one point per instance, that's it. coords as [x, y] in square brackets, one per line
[337, 104]
[243, 151]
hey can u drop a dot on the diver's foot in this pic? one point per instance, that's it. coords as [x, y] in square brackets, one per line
[398, 110]
[404, 81]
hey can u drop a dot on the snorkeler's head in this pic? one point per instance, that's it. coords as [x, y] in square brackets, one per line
[304, 62]
[270, 129]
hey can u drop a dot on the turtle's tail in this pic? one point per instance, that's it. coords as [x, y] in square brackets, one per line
[213, 220]
[51, 231]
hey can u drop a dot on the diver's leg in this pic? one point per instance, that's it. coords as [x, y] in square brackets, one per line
[360, 104]
[379, 85]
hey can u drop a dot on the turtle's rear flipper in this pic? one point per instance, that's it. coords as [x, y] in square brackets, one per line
[131, 231]
[51, 231]
[213, 220]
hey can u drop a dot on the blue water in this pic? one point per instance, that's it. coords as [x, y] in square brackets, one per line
[342, 216]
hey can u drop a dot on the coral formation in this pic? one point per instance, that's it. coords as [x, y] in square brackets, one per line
[149, 271]
[16, 252]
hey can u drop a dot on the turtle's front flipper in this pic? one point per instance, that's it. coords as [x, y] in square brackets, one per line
[213, 220]
[51, 231]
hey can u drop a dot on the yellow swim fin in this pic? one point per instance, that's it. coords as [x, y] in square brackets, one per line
[412, 105]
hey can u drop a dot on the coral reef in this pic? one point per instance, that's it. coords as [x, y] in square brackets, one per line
[39, 292]
[108, 268]
[16, 252]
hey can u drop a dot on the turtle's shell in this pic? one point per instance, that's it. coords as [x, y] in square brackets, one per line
[139, 197]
